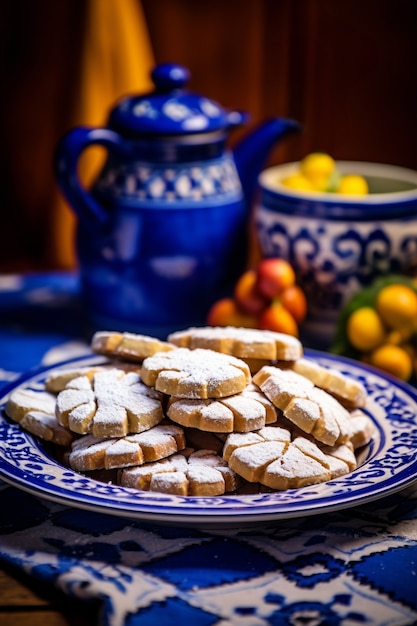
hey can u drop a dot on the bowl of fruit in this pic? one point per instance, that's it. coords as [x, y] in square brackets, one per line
[378, 326]
[265, 296]
[341, 225]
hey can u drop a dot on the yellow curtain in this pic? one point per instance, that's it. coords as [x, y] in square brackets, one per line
[117, 60]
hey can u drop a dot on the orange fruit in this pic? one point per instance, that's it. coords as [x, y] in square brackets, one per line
[365, 330]
[293, 299]
[225, 312]
[247, 294]
[397, 306]
[394, 360]
[277, 318]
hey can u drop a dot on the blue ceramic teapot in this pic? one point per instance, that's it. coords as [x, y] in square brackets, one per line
[163, 232]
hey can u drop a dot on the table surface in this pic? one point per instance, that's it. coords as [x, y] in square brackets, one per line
[330, 569]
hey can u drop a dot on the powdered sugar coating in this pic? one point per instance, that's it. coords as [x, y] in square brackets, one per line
[131, 346]
[362, 428]
[276, 461]
[35, 412]
[334, 382]
[197, 473]
[248, 343]
[248, 410]
[197, 373]
[112, 404]
[312, 409]
[22, 400]
[92, 453]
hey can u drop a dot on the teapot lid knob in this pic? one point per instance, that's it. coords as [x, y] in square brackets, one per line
[169, 76]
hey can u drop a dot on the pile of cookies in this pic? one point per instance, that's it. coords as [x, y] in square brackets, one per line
[209, 411]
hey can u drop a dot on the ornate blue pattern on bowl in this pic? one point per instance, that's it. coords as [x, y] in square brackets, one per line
[339, 244]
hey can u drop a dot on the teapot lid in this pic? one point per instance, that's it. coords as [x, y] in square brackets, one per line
[170, 109]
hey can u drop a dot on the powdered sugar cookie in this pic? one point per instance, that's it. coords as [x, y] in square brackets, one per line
[256, 364]
[112, 404]
[248, 410]
[195, 373]
[272, 434]
[342, 459]
[91, 453]
[362, 427]
[35, 412]
[312, 409]
[272, 459]
[58, 379]
[244, 343]
[193, 473]
[346, 389]
[127, 345]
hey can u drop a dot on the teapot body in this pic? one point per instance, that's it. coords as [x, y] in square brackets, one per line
[163, 232]
[174, 240]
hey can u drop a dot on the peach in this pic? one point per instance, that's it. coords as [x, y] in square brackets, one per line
[277, 318]
[247, 295]
[273, 276]
[293, 299]
[225, 312]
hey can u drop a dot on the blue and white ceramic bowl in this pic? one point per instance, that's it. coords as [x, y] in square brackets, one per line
[336, 243]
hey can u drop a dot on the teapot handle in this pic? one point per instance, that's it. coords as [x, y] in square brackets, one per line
[68, 151]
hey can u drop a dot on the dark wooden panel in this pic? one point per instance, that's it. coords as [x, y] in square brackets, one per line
[347, 70]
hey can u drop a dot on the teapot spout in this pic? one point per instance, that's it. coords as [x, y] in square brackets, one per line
[252, 151]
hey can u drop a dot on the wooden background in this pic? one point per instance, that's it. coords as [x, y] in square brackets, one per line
[345, 69]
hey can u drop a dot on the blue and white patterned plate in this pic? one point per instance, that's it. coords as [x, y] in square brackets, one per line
[388, 464]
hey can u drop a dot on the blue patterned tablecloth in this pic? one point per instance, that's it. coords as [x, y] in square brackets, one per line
[347, 568]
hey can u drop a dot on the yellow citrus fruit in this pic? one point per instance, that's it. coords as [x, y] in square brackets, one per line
[365, 329]
[394, 360]
[353, 184]
[317, 167]
[397, 306]
[298, 182]
[398, 336]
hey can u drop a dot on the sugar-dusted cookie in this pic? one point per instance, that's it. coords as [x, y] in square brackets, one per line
[341, 458]
[248, 410]
[245, 343]
[195, 373]
[362, 427]
[112, 404]
[312, 409]
[271, 458]
[256, 364]
[127, 345]
[348, 390]
[91, 453]
[193, 473]
[58, 379]
[35, 412]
